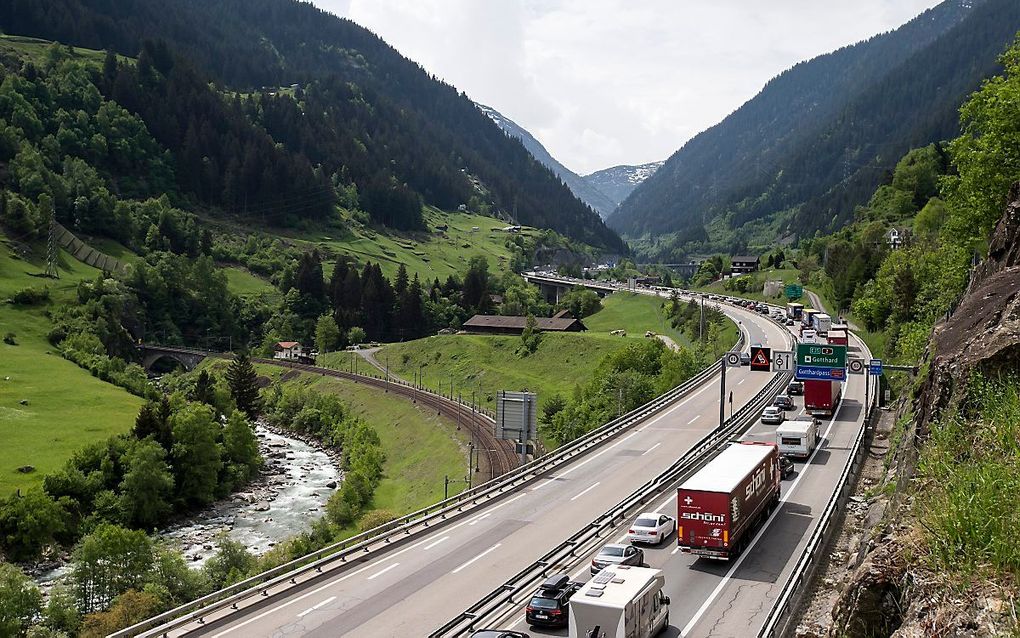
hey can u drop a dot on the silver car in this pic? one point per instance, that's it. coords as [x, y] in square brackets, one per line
[614, 554]
[773, 415]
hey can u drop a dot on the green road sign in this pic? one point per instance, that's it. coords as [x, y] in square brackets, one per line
[794, 291]
[821, 355]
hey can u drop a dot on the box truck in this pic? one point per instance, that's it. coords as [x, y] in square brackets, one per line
[719, 507]
[839, 335]
[620, 601]
[797, 438]
[794, 310]
[821, 322]
[821, 397]
[806, 317]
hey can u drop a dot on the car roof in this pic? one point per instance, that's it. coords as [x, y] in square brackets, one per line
[614, 545]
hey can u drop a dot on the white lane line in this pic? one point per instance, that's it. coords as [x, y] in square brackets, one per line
[651, 448]
[585, 491]
[323, 587]
[675, 550]
[311, 609]
[541, 485]
[595, 456]
[491, 549]
[761, 532]
[431, 545]
[491, 510]
[694, 419]
[741, 381]
[480, 518]
[383, 571]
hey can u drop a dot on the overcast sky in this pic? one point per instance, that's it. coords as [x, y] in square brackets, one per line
[607, 82]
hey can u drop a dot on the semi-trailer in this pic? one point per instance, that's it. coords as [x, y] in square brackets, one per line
[821, 322]
[806, 317]
[719, 507]
[821, 397]
[794, 310]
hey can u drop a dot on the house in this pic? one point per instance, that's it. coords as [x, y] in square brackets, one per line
[288, 350]
[743, 264]
[895, 237]
[495, 324]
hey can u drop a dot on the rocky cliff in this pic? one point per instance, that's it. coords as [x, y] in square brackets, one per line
[883, 587]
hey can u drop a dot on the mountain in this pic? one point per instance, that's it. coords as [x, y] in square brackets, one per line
[820, 137]
[618, 182]
[385, 134]
[578, 185]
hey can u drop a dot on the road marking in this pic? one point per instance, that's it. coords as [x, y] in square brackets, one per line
[651, 448]
[741, 381]
[585, 491]
[694, 419]
[675, 550]
[761, 532]
[383, 571]
[311, 609]
[538, 487]
[430, 546]
[480, 518]
[323, 587]
[595, 456]
[491, 549]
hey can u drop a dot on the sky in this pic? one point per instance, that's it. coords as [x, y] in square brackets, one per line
[608, 82]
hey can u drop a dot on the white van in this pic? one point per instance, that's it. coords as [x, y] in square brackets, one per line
[620, 601]
[797, 438]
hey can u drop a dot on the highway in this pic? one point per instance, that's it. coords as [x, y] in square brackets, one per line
[727, 599]
[417, 586]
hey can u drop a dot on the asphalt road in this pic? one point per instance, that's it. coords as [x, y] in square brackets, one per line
[416, 587]
[733, 599]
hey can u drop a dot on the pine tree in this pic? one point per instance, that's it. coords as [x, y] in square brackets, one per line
[243, 382]
[205, 389]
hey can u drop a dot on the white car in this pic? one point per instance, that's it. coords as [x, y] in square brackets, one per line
[651, 527]
[773, 415]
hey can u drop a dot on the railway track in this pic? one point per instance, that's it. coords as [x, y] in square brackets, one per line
[500, 456]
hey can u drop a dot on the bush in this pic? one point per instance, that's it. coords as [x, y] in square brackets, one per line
[31, 296]
[375, 518]
[9, 339]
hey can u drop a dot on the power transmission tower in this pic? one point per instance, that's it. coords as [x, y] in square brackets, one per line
[51, 249]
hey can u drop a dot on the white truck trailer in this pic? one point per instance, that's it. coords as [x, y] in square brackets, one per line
[620, 602]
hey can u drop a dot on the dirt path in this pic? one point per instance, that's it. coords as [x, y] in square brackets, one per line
[368, 354]
[672, 345]
[816, 302]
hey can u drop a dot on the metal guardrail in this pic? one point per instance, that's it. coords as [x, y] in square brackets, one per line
[335, 556]
[504, 599]
[778, 621]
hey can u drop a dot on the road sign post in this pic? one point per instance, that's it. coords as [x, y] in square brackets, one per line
[875, 367]
[517, 418]
[722, 393]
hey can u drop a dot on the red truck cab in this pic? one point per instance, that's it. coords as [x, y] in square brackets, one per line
[719, 507]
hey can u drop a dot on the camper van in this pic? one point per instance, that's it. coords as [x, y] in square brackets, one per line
[797, 438]
[620, 601]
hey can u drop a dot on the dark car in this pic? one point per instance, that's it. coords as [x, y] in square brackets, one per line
[785, 466]
[550, 606]
[784, 402]
[795, 387]
[499, 633]
[615, 554]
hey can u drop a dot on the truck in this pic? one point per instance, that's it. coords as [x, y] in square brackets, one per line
[620, 601]
[821, 322]
[839, 335]
[794, 311]
[719, 507]
[821, 397]
[806, 315]
[797, 438]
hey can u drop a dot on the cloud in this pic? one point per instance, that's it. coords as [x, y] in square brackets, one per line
[606, 82]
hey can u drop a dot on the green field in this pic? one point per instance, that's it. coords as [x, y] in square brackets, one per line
[636, 314]
[244, 284]
[67, 407]
[430, 254]
[421, 448]
[35, 50]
